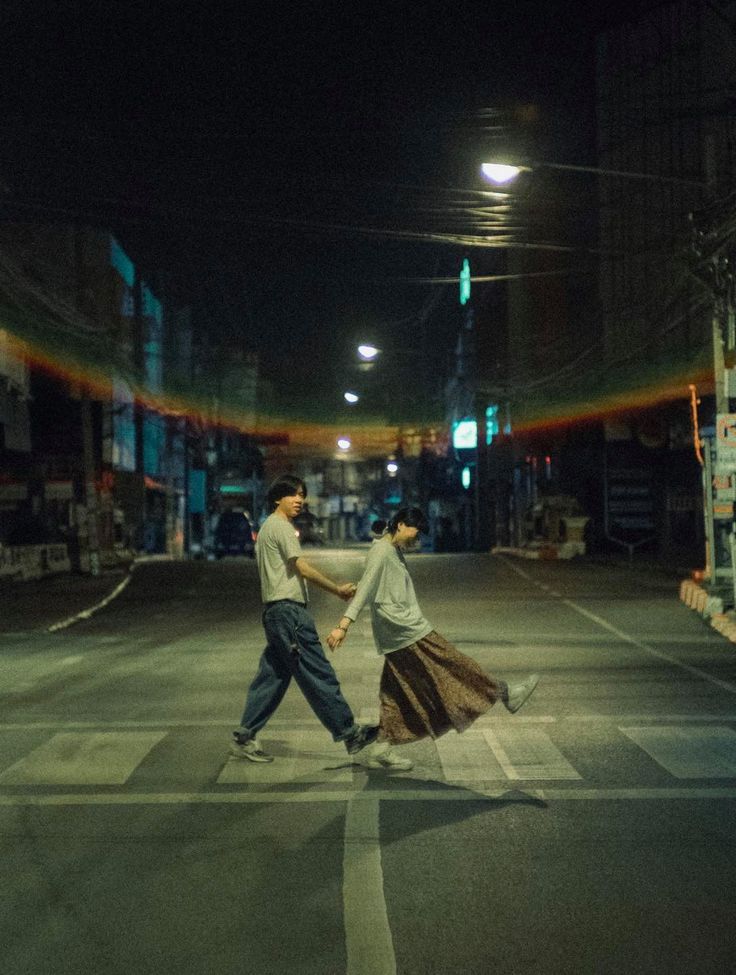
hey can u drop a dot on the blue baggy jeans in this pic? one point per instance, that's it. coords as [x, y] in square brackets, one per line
[294, 650]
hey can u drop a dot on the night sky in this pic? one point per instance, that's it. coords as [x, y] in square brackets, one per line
[272, 159]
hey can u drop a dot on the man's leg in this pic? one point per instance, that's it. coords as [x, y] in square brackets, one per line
[318, 681]
[264, 695]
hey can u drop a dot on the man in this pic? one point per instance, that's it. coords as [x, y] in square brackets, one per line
[293, 648]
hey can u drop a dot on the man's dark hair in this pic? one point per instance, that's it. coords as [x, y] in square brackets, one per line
[284, 486]
[411, 517]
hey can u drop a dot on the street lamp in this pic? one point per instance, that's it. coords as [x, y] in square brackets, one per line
[500, 173]
[368, 352]
[351, 397]
[504, 173]
[344, 443]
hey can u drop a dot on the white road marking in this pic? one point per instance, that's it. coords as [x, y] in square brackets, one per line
[490, 720]
[310, 757]
[466, 758]
[370, 949]
[86, 613]
[689, 753]
[486, 753]
[506, 794]
[529, 754]
[83, 758]
[626, 637]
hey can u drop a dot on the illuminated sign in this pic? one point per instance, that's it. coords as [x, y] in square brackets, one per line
[465, 282]
[465, 435]
[465, 432]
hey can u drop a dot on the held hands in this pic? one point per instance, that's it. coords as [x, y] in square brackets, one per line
[335, 637]
[346, 591]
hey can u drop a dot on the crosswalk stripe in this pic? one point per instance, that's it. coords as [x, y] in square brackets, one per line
[506, 794]
[83, 758]
[466, 758]
[491, 719]
[487, 752]
[689, 753]
[300, 756]
[529, 754]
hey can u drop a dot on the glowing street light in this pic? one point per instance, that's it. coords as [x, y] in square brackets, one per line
[392, 467]
[351, 397]
[500, 173]
[344, 443]
[368, 352]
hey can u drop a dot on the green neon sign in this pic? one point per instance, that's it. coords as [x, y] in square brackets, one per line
[465, 282]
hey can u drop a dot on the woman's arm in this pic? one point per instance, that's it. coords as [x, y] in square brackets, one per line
[367, 588]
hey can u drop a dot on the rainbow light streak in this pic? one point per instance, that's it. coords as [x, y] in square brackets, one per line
[370, 438]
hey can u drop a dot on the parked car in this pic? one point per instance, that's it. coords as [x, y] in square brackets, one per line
[308, 529]
[235, 534]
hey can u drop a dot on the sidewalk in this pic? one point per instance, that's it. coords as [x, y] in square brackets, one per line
[37, 604]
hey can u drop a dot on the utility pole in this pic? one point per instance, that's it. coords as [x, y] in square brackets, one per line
[138, 408]
[88, 449]
[716, 252]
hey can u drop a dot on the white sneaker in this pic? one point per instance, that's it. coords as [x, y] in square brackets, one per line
[366, 756]
[388, 759]
[519, 694]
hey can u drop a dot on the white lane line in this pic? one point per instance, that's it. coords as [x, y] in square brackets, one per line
[86, 613]
[309, 756]
[506, 794]
[689, 753]
[529, 754]
[627, 638]
[649, 718]
[370, 947]
[466, 758]
[492, 720]
[86, 758]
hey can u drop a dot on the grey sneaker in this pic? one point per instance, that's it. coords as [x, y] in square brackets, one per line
[388, 759]
[519, 694]
[366, 735]
[250, 749]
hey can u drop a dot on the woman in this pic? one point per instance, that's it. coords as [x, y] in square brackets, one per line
[428, 687]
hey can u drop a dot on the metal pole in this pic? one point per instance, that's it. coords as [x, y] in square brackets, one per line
[88, 451]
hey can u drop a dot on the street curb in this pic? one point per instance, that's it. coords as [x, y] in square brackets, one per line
[710, 607]
[548, 551]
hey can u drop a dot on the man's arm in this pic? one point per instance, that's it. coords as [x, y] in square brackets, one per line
[344, 590]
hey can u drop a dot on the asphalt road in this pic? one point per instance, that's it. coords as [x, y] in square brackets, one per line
[590, 833]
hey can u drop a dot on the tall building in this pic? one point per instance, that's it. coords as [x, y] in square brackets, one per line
[664, 106]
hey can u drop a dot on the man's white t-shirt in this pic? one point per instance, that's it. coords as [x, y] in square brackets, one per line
[277, 544]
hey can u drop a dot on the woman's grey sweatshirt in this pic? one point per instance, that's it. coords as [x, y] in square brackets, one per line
[386, 584]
